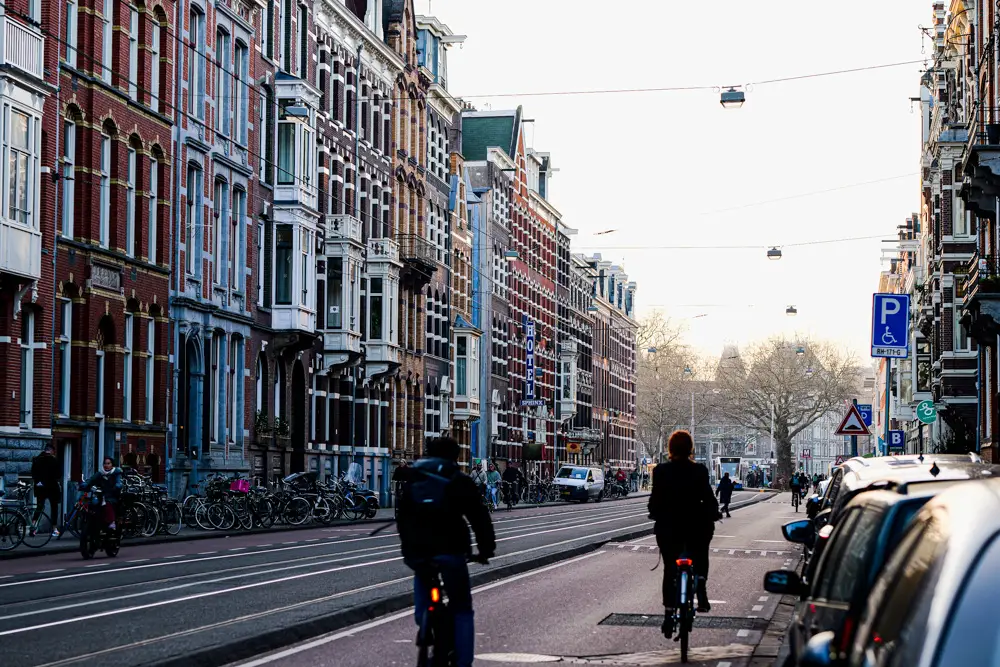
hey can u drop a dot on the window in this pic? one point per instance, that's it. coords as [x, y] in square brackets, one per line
[240, 100]
[307, 151]
[283, 265]
[375, 311]
[221, 214]
[65, 355]
[70, 37]
[107, 14]
[196, 63]
[236, 240]
[104, 236]
[130, 203]
[260, 265]
[269, 30]
[260, 386]
[127, 367]
[133, 52]
[68, 182]
[849, 556]
[20, 186]
[27, 365]
[223, 85]
[235, 373]
[216, 376]
[154, 64]
[303, 42]
[286, 153]
[305, 248]
[99, 378]
[150, 368]
[461, 366]
[334, 292]
[961, 333]
[154, 177]
[287, 56]
[193, 220]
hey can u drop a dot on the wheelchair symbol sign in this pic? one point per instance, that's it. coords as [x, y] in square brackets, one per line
[890, 325]
[926, 412]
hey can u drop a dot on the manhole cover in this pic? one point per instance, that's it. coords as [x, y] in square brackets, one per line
[710, 622]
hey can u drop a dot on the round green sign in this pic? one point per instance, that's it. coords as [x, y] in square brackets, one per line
[926, 412]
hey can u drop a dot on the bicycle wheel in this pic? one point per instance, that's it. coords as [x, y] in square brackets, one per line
[12, 529]
[201, 516]
[685, 636]
[152, 523]
[75, 523]
[189, 509]
[38, 532]
[171, 516]
[297, 511]
[354, 509]
[321, 510]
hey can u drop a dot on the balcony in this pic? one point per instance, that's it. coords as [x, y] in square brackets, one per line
[381, 358]
[341, 348]
[20, 249]
[982, 299]
[343, 227]
[466, 408]
[419, 258]
[384, 251]
[982, 163]
[22, 47]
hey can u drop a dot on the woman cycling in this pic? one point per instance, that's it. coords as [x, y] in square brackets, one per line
[109, 480]
[685, 510]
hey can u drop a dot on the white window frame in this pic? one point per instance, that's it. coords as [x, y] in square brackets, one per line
[459, 379]
[262, 112]
[260, 265]
[221, 204]
[65, 356]
[127, 369]
[241, 57]
[107, 31]
[154, 70]
[27, 403]
[960, 343]
[216, 376]
[196, 62]
[193, 219]
[99, 403]
[154, 186]
[104, 233]
[223, 86]
[150, 367]
[237, 276]
[68, 178]
[305, 256]
[72, 13]
[235, 373]
[130, 173]
[133, 53]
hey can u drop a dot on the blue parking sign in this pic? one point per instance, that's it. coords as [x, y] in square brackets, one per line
[866, 412]
[891, 325]
[897, 440]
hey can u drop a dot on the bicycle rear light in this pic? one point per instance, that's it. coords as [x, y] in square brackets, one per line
[684, 562]
[435, 595]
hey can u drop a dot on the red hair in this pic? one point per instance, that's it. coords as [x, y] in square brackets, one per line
[680, 446]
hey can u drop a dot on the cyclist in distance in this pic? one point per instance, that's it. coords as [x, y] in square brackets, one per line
[796, 484]
[437, 506]
[685, 510]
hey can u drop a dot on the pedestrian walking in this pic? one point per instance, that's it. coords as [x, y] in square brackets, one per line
[725, 493]
[45, 475]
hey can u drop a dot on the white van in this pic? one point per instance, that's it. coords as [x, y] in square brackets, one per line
[580, 483]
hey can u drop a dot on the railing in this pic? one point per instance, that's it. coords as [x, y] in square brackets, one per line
[384, 249]
[343, 226]
[412, 246]
[984, 275]
[984, 127]
[22, 47]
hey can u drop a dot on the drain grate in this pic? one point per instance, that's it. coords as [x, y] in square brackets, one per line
[709, 622]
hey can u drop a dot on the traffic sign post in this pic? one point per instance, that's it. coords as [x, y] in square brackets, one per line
[890, 337]
[853, 424]
[896, 440]
[926, 412]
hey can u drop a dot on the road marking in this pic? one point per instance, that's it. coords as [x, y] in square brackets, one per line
[207, 553]
[6, 576]
[99, 564]
[350, 632]
[732, 552]
[714, 536]
[763, 598]
[763, 553]
[743, 633]
[58, 569]
[758, 607]
[635, 548]
[237, 548]
[293, 542]
[725, 664]
[138, 560]
[315, 539]
[716, 602]
[176, 556]
[772, 541]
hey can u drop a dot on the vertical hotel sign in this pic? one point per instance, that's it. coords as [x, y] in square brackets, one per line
[529, 357]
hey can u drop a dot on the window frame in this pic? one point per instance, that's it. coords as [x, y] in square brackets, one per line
[127, 375]
[223, 85]
[65, 356]
[70, 38]
[133, 52]
[153, 203]
[241, 60]
[107, 33]
[131, 169]
[104, 217]
[260, 264]
[195, 212]
[150, 367]
[196, 61]
[27, 344]
[221, 215]
[154, 65]
[68, 161]
[237, 233]
[280, 248]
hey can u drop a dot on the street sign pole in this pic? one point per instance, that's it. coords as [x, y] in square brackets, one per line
[888, 379]
[854, 438]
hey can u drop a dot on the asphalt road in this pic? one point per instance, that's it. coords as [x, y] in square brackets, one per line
[169, 601]
[563, 612]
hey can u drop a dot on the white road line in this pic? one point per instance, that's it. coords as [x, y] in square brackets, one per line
[763, 598]
[237, 548]
[292, 542]
[315, 539]
[101, 564]
[635, 548]
[757, 607]
[350, 632]
[725, 664]
[732, 552]
[772, 541]
[743, 633]
[58, 569]
[271, 544]
[174, 556]
[207, 553]
[763, 553]
[138, 560]
[716, 602]
[6, 576]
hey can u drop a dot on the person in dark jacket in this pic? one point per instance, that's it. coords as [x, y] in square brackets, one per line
[109, 480]
[725, 493]
[437, 506]
[685, 511]
[45, 474]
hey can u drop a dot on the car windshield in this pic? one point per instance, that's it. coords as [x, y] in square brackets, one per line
[572, 473]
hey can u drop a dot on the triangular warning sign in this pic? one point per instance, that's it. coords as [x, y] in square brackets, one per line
[853, 424]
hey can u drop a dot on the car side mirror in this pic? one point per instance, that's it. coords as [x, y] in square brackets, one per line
[800, 532]
[817, 652]
[823, 518]
[783, 582]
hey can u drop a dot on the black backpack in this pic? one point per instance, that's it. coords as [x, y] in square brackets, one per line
[425, 495]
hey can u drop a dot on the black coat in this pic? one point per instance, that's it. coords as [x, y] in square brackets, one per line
[436, 508]
[725, 490]
[45, 471]
[682, 502]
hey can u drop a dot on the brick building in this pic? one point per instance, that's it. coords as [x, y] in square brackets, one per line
[28, 201]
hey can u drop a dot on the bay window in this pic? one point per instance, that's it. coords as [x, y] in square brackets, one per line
[286, 153]
[130, 203]
[305, 251]
[127, 368]
[283, 265]
[150, 368]
[296, 138]
[68, 182]
[462, 366]
[334, 292]
[104, 233]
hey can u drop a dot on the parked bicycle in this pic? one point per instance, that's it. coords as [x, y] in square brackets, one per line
[17, 523]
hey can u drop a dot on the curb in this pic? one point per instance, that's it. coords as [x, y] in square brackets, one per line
[278, 638]
[73, 545]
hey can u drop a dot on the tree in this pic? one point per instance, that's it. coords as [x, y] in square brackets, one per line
[802, 380]
[667, 373]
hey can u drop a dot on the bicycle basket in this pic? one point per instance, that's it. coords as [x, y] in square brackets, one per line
[240, 486]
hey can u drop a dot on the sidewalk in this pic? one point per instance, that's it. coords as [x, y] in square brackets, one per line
[70, 544]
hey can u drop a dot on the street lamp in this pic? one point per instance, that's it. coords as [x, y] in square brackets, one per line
[799, 351]
[732, 98]
[791, 311]
[774, 253]
[510, 255]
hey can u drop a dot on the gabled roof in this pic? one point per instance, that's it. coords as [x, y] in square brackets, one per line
[482, 129]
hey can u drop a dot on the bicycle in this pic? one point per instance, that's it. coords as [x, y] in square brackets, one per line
[17, 524]
[684, 612]
[436, 636]
[795, 499]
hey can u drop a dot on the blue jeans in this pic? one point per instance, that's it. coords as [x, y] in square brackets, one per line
[455, 577]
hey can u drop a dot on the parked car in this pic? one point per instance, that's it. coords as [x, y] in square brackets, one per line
[580, 483]
[932, 603]
[870, 529]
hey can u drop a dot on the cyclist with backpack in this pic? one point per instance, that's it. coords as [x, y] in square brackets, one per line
[438, 504]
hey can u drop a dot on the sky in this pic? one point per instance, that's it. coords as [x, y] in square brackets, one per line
[676, 169]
